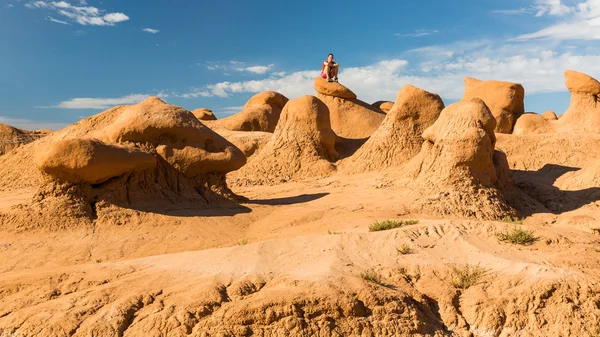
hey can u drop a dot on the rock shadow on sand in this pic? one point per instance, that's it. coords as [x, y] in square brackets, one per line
[299, 199]
[540, 186]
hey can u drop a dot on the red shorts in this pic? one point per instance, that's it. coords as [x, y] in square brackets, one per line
[323, 75]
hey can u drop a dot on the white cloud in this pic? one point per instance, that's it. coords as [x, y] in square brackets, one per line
[580, 21]
[151, 30]
[227, 111]
[9, 6]
[440, 69]
[552, 7]
[419, 33]
[520, 11]
[257, 69]
[82, 14]
[196, 92]
[27, 124]
[103, 103]
[49, 18]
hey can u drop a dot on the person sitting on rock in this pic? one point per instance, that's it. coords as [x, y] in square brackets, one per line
[329, 69]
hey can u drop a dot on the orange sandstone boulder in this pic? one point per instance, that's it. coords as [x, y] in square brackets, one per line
[92, 161]
[550, 115]
[504, 99]
[204, 114]
[384, 106]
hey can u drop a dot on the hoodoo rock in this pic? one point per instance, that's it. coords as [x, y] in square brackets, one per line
[261, 113]
[398, 139]
[333, 89]
[147, 155]
[302, 146]
[504, 99]
[204, 114]
[457, 171]
[350, 118]
[583, 114]
[384, 106]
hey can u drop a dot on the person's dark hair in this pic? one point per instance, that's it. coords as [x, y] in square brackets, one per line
[330, 54]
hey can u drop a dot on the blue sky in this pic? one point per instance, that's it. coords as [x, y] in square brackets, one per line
[61, 61]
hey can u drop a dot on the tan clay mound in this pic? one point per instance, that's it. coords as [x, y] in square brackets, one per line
[261, 113]
[301, 147]
[384, 106]
[350, 118]
[583, 114]
[11, 138]
[504, 99]
[458, 172]
[142, 156]
[204, 114]
[398, 139]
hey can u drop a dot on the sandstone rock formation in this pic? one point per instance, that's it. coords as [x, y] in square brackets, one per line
[147, 155]
[504, 99]
[384, 106]
[583, 114]
[550, 115]
[457, 171]
[261, 113]
[302, 146]
[11, 138]
[398, 139]
[350, 118]
[204, 114]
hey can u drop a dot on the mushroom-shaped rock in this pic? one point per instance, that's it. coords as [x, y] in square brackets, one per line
[504, 99]
[582, 116]
[179, 137]
[550, 115]
[350, 118]
[91, 161]
[577, 82]
[261, 113]
[455, 172]
[302, 146]
[384, 106]
[398, 139]
[333, 89]
[204, 114]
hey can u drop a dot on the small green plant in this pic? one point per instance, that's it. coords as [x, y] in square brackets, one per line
[333, 233]
[465, 276]
[371, 276]
[410, 277]
[404, 249]
[243, 242]
[517, 236]
[510, 219]
[390, 224]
